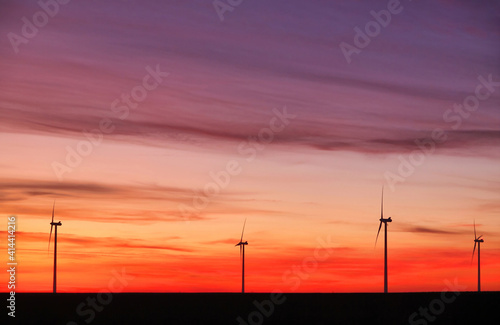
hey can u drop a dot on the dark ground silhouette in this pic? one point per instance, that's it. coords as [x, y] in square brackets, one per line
[261, 308]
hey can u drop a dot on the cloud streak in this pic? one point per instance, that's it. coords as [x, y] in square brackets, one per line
[64, 106]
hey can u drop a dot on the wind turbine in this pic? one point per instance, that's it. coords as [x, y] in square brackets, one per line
[478, 241]
[384, 221]
[52, 225]
[242, 257]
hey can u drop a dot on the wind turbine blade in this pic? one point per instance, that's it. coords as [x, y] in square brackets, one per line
[475, 243]
[243, 229]
[51, 226]
[241, 247]
[382, 205]
[53, 207]
[479, 237]
[379, 227]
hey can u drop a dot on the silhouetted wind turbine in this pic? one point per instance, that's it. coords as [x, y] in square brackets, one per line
[242, 257]
[478, 241]
[385, 221]
[56, 224]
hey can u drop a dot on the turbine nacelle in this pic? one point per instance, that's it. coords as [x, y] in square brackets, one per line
[386, 220]
[241, 243]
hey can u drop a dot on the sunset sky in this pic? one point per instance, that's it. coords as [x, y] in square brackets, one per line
[158, 127]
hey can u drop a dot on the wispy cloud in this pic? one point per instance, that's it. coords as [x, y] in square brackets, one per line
[413, 228]
[100, 243]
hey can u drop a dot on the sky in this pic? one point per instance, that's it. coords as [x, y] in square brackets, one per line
[159, 127]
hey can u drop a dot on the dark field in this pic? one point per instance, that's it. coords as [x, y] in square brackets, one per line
[256, 308]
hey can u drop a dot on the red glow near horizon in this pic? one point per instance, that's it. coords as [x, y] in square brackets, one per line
[309, 269]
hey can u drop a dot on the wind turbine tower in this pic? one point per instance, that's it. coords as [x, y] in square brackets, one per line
[242, 245]
[384, 221]
[52, 225]
[477, 241]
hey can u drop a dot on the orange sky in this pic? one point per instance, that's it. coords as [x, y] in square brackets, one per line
[124, 229]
